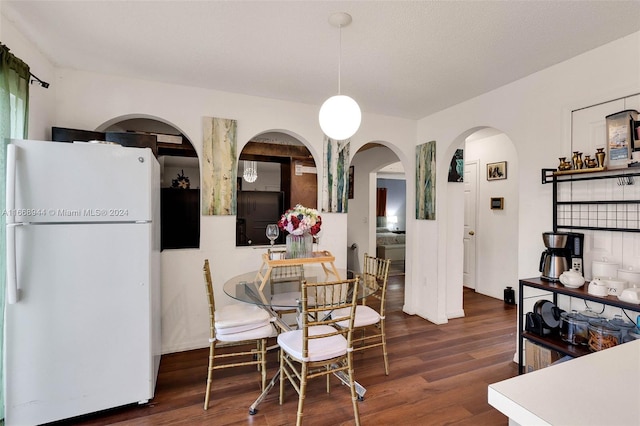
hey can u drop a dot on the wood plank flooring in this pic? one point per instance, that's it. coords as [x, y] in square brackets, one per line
[438, 376]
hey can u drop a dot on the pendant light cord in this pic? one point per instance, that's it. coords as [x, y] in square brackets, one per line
[339, 57]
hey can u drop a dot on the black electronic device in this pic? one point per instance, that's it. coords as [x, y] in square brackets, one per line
[575, 251]
[544, 319]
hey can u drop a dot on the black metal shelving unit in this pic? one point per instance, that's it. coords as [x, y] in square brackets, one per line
[619, 215]
[554, 342]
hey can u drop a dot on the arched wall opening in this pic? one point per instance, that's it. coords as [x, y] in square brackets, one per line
[276, 171]
[179, 169]
[481, 238]
[363, 222]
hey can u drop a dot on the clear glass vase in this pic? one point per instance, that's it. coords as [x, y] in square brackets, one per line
[299, 246]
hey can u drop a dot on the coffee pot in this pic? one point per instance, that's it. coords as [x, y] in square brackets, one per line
[555, 259]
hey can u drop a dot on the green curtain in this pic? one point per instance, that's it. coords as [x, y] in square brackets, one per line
[14, 111]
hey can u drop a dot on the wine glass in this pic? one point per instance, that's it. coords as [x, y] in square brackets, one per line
[272, 232]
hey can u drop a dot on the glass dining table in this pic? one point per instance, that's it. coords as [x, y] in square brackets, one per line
[249, 288]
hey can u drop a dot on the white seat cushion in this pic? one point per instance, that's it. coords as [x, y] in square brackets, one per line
[319, 349]
[364, 316]
[261, 332]
[240, 317]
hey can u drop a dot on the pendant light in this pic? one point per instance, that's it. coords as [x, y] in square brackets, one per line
[340, 115]
[250, 171]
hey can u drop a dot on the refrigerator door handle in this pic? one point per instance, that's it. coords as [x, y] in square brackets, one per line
[12, 278]
[10, 235]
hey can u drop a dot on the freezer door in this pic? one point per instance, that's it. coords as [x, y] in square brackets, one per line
[81, 338]
[77, 182]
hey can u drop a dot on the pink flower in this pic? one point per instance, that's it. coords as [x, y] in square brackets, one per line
[299, 220]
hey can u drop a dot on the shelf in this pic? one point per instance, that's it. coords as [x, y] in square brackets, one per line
[553, 341]
[556, 344]
[579, 171]
[578, 292]
[553, 175]
[618, 214]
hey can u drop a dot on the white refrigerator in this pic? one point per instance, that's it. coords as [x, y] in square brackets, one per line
[82, 318]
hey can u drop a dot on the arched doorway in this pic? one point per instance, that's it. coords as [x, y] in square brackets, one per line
[179, 179]
[494, 231]
[276, 171]
[376, 166]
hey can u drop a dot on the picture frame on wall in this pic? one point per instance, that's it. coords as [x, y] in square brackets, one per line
[497, 171]
[350, 193]
[620, 138]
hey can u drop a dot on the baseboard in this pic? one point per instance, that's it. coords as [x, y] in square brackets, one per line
[455, 314]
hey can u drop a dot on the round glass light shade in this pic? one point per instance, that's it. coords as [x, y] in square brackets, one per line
[340, 117]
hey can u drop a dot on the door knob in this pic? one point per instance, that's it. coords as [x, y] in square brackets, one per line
[472, 233]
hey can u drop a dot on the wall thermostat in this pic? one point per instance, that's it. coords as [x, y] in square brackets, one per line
[497, 203]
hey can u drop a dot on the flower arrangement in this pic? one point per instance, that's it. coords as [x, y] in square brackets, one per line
[300, 219]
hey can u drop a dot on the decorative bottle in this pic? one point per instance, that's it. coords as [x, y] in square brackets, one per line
[600, 154]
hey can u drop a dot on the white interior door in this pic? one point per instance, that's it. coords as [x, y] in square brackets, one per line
[470, 217]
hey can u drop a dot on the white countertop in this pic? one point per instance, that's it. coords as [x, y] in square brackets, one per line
[602, 388]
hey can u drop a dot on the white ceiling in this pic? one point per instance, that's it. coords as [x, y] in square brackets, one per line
[400, 58]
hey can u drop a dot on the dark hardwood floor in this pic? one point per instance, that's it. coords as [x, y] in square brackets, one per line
[438, 376]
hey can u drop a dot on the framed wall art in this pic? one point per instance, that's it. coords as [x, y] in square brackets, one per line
[497, 171]
[426, 181]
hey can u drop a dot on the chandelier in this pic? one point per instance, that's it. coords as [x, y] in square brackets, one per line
[250, 171]
[340, 115]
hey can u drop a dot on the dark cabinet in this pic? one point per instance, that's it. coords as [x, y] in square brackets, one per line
[135, 140]
[180, 218]
[257, 209]
[132, 139]
[61, 134]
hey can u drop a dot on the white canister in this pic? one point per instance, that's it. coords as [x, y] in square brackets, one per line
[632, 276]
[604, 269]
[615, 286]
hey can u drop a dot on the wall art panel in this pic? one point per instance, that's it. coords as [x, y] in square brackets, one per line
[219, 167]
[426, 181]
[335, 179]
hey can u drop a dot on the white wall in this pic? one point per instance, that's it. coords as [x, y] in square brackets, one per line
[534, 113]
[41, 100]
[396, 201]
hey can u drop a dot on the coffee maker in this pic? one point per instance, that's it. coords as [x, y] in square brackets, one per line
[564, 251]
[555, 259]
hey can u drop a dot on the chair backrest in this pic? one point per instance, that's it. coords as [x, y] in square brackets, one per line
[375, 276]
[211, 299]
[325, 297]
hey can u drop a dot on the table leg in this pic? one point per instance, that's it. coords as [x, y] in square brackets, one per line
[253, 409]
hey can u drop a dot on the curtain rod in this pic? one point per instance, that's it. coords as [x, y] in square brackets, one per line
[40, 82]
